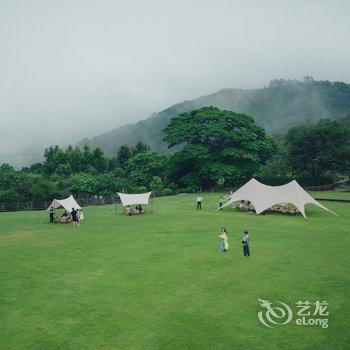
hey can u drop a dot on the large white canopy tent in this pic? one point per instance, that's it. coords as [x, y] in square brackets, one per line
[66, 203]
[264, 196]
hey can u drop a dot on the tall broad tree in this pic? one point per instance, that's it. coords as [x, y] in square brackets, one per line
[317, 152]
[219, 146]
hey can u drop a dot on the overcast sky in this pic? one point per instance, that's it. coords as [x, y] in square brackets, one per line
[70, 69]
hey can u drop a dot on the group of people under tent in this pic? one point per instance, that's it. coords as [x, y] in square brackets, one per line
[283, 208]
[224, 246]
[128, 211]
[76, 216]
[278, 208]
[245, 206]
[248, 206]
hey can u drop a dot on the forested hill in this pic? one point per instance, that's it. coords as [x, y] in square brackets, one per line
[277, 107]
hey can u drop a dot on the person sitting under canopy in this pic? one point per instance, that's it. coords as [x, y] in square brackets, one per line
[128, 211]
[136, 200]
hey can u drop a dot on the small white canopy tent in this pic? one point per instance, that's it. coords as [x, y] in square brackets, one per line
[131, 199]
[264, 196]
[67, 203]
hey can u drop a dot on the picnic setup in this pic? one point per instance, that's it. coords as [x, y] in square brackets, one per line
[133, 204]
[290, 198]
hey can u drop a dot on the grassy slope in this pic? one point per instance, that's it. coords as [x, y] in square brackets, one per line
[157, 281]
[331, 194]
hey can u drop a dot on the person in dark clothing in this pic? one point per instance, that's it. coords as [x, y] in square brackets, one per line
[52, 215]
[74, 215]
[245, 244]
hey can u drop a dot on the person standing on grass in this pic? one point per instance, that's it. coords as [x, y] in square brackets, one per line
[74, 215]
[245, 244]
[199, 201]
[78, 217]
[223, 246]
[51, 214]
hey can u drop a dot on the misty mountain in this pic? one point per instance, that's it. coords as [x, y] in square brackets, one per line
[277, 107]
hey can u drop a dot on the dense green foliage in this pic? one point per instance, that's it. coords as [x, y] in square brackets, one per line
[157, 281]
[220, 146]
[82, 172]
[317, 152]
[277, 107]
[212, 148]
[314, 154]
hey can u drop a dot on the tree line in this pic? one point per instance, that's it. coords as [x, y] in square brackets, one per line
[214, 148]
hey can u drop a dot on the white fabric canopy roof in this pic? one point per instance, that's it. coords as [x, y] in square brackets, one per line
[131, 199]
[264, 197]
[67, 203]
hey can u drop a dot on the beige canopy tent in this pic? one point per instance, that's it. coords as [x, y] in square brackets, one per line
[131, 199]
[264, 196]
[67, 203]
[134, 199]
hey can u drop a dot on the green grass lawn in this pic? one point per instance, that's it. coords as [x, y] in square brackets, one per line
[157, 281]
[331, 194]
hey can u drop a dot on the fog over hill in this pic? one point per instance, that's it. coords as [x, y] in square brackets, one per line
[76, 69]
[277, 107]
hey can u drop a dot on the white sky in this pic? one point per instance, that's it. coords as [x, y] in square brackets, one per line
[70, 69]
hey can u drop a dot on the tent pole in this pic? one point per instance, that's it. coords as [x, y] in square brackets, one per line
[160, 205]
[42, 219]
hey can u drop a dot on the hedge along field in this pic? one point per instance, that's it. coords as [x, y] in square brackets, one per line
[157, 281]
